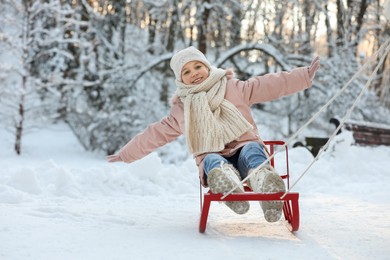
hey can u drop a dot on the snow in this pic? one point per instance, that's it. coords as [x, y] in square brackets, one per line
[59, 202]
[369, 124]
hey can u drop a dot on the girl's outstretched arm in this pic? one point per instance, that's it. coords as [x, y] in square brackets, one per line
[153, 137]
[272, 86]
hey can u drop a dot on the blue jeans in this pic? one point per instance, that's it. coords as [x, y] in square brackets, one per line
[248, 157]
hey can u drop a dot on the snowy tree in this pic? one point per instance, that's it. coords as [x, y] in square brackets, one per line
[97, 49]
[102, 65]
[110, 101]
[31, 55]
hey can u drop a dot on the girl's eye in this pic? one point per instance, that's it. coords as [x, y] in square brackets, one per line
[198, 67]
[186, 72]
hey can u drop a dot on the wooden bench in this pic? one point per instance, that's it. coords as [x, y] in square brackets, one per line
[363, 133]
[368, 133]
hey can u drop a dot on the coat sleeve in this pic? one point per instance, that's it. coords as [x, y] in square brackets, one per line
[274, 85]
[153, 137]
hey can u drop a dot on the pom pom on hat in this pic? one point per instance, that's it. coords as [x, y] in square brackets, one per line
[184, 56]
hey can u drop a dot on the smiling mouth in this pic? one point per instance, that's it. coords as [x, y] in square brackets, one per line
[197, 80]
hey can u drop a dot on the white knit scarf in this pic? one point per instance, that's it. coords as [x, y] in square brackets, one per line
[211, 121]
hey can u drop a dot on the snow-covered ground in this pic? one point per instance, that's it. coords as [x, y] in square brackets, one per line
[60, 202]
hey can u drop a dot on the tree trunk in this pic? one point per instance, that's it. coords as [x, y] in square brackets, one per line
[236, 24]
[329, 31]
[202, 26]
[152, 33]
[308, 26]
[172, 28]
[360, 16]
[340, 23]
[19, 123]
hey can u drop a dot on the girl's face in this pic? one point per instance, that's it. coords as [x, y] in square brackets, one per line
[194, 73]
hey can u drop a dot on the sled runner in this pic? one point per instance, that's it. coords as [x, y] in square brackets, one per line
[290, 207]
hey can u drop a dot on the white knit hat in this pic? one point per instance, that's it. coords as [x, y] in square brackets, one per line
[184, 56]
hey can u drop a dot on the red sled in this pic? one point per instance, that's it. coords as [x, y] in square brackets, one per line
[290, 206]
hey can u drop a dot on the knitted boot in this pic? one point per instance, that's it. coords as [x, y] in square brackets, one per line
[266, 180]
[221, 180]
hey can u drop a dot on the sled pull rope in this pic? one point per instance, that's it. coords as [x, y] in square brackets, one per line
[347, 115]
[372, 58]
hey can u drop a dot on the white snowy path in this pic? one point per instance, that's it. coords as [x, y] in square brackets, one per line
[59, 202]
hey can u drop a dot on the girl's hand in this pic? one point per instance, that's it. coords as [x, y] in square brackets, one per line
[114, 158]
[314, 66]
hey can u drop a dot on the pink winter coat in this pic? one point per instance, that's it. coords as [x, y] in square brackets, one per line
[242, 94]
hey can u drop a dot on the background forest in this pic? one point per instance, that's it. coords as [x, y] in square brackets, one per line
[103, 66]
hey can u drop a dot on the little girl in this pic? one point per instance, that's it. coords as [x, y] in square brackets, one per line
[212, 109]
